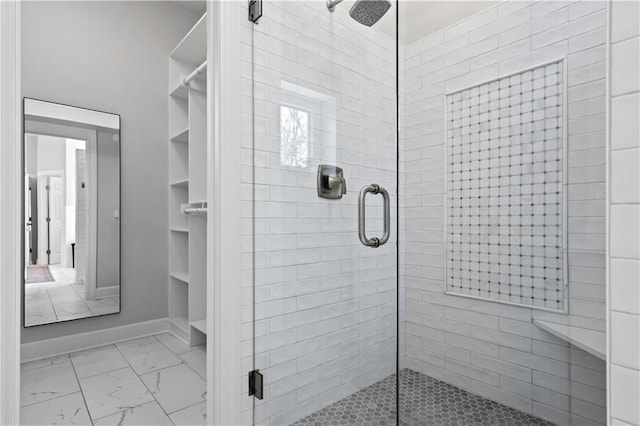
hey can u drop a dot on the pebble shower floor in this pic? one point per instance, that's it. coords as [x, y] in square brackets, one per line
[423, 401]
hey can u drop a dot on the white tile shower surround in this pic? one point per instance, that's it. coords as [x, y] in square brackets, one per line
[155, 380]
[62, 299]
[325, 304]
[624, 190]
[489, 348]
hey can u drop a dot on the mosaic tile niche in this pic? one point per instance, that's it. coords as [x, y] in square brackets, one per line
[505, 201]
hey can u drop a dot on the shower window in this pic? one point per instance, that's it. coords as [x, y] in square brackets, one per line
[294, 137]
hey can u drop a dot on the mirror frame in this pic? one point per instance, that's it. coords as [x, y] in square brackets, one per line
[22, 208]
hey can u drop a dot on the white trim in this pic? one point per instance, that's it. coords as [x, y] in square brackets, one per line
[110, 291]
[50, 110]
[10, 211]
[92, 339]
[91, 173]
[224, 319]
[607, 214]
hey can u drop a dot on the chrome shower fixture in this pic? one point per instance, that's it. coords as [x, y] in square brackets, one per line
[366, 12]
[331, 4]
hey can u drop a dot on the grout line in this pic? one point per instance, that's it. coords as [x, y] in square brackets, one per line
[142, 381]
[80, 387]
[50, 399]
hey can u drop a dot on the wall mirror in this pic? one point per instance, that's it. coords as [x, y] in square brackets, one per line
[71, 204]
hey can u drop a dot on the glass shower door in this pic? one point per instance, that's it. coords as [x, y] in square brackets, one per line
[322, 196]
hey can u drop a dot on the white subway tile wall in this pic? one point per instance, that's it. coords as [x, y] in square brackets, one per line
[624, 215]
[324, 92]
[504, 188]
[485, 347]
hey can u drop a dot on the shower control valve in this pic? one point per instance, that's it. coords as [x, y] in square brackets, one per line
[331, 182]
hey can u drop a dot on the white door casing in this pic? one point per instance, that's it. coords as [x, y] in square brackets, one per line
[11, 174]
[55, 219]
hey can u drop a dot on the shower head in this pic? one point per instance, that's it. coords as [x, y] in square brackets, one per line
[366, 12]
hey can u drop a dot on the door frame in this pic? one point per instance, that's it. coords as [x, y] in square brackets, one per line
[90, 137]
[42, 214]
[11, 203]
[226, 381]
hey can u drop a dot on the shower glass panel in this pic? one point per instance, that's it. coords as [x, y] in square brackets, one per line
[504, 227]
[325, 305]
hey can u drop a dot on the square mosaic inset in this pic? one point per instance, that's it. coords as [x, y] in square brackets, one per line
[504, 189]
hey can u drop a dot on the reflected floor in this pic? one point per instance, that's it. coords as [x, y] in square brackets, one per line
[425, 401]
[62, 299]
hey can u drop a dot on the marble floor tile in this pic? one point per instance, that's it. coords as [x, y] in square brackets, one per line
[71, 308]
[195, 415]
[147, 354]
[144, 415]
[197, 360]
[44, 362]
[174, 344]
[36, 293]
[48, 382]
[100, 385]
[39, 313]
[65, 410]
[107, 305]
[112, 392]
[176, 387]
[97, 361]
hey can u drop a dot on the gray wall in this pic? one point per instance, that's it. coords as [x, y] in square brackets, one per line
[113, 56]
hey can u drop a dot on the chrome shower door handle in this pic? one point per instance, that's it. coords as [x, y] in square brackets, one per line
[373, 242]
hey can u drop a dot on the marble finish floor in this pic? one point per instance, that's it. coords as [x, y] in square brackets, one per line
[62, 299]
[423, 401]
[155, 380]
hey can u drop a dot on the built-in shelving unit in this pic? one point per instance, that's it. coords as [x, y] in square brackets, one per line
[188, 186]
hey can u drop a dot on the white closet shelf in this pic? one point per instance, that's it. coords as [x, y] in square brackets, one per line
[592, 341]
[193, 47]
[184, 230]
[180, 92]
[200, 325]
[182, 136]
[181, 276]
[183, 183]
[181, 323]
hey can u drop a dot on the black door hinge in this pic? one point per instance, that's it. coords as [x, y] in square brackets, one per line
[255, 384]
[48, 251]
[255, 10]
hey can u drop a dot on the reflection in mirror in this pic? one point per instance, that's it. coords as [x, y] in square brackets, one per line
[71, 213]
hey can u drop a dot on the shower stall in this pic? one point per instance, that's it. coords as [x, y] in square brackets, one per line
[424, 212]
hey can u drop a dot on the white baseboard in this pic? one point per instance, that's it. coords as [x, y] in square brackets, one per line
[76, 342]
[111, 291]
